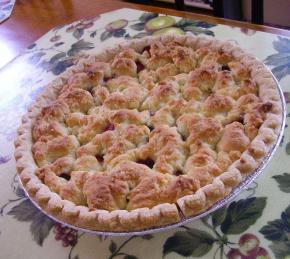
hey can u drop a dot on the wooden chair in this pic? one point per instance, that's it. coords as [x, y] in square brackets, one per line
[258, 11]
[219, 7]
[179, 4]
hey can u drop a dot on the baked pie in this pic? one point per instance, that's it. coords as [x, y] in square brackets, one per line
[148, 133]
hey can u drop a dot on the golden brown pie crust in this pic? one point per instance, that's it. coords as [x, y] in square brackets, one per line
[148, 132]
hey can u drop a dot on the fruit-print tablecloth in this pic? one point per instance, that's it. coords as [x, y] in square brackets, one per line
[6, 7]
[255, 225]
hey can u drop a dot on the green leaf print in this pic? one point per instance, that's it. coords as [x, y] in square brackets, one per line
[192, 242]
[283, 181]
[281, 249]
[281, 60]
[35, 58]
[242, 214]
[79, 46]
[287, 148]
[106, 35]
[218, 216]
[137, 26]
[277, 59]
[278, 232]
[40, 224]
[282, 45]
[78, 33]
[196, 30]
[184, 22]
[145, 17]
[274, 230]
[54, 59]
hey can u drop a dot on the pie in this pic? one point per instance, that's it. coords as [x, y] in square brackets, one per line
[148, 133]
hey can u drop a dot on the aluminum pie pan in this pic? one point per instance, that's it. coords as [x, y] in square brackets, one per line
[236, 190]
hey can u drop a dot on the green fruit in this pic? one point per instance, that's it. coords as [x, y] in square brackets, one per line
[159, 23]
[116, 25]
[170, 30]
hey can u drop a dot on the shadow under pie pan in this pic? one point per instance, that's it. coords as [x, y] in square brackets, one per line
[40, 195]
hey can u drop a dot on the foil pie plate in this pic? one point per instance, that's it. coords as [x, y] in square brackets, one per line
[238, 189]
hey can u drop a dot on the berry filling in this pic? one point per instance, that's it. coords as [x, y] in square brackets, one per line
[226, 67]
[148, 162]
[106, 79]
[178, 172]
[151, 128]
[140, 66]
[109, 127]
[100, 158]
[147, 48]
[65, 176]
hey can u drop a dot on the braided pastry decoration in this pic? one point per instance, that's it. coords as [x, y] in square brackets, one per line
[148, 132]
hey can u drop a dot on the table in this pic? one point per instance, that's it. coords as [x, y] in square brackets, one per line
[33, 18]
[259, 217]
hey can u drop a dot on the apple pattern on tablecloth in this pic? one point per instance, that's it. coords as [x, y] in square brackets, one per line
[85, 34]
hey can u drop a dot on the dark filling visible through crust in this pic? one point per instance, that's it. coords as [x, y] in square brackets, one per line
[140, 66]
[148, 162]
[100, 158]
[226, 67]
[65, 176]
[109, 127]
[178, 172]
[147, 48]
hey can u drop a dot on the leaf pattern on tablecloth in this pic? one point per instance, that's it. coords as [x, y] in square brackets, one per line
[283, 181]
[278, 231]
[287, 97]
[6, 7]
[120, 28]
[192, 242]
[232, 220]
[62, 60]
[242, 214]
[281, 60]
[40, 224]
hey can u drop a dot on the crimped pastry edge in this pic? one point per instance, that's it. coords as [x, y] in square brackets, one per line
[162, 214]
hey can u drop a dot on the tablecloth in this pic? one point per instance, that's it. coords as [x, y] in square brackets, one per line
[6, 7]
[256, 223]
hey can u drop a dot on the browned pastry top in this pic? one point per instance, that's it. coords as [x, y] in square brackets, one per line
[174, 121]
